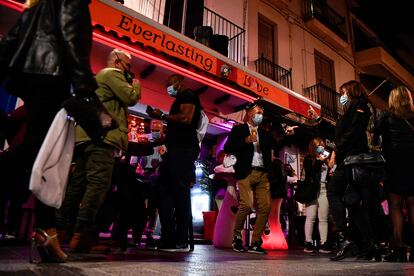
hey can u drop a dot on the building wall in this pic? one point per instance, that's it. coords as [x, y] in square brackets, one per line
[296, 45]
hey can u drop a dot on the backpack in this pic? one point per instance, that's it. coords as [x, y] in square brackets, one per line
[202, 126]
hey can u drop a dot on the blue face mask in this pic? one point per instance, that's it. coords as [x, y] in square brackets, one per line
[155, 135]
[171, 91]
[320, 149]
[257, 119]
[343, 99]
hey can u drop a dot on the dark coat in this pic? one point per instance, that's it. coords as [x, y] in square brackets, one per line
[52, 38]
[313, 170]
[350, 131]
[244, 151]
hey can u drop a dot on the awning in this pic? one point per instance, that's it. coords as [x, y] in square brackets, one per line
[218, 69]
[121, 27]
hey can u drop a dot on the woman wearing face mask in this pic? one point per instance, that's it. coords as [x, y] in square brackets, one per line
[316, 168]
[351, 139]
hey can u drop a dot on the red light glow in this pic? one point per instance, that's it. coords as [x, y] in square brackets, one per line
[276, 239]
[170, 66]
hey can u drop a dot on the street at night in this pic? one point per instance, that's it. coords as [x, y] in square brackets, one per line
[205, 260]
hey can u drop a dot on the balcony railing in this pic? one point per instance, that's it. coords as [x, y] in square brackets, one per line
[235, 34]
[274, 71]
[327, 98]
[329, 17]
[153, 9]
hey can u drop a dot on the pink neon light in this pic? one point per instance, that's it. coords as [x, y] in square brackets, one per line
[168, 65]
[275, 240]
[12, 5]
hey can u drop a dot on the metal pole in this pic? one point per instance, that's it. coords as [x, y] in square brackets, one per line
[184, 17]
[376, 88]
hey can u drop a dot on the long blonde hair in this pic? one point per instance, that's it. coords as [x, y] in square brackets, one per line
[400, 102]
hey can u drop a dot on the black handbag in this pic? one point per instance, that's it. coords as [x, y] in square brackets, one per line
[306, 191]
[90, 114]
[351, 195]
[366, 167]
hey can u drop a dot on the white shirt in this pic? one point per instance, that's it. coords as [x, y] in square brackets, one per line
[257, 154]
[324, 172]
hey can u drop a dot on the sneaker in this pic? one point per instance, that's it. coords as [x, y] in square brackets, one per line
[309, 248]
[238, 245]
[257, 248]
[324, 248]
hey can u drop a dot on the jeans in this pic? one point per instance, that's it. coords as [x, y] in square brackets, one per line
[361, 213]
[319, 207]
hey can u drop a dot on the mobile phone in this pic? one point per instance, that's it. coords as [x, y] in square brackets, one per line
[325, 154]
[149, 109]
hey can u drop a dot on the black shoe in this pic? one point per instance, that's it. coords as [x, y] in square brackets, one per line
[257, 248]
[150, 243]
[346, 248]
[309, 248]
[370, 250]
[397, 255]
[325, 248]
[238, 245]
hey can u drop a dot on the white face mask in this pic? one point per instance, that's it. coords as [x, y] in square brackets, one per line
[156, 135]
[171, 91]
[343, 99]
[257, 119]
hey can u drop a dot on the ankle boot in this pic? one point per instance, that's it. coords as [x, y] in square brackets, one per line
[346, 248]
[370, 250]
[84, 243]
[397, 255]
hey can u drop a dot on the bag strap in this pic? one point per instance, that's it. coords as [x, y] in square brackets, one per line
[409, 124]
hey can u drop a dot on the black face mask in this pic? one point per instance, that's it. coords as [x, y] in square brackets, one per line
[129, 76]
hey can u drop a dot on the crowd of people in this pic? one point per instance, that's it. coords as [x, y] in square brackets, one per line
[104, 163]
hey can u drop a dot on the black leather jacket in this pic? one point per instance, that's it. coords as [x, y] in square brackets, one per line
[350, 130]
[59, 40]
[397, 135]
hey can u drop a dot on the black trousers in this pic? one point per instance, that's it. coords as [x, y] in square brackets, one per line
[43, 97]
[177, 173]
[360, 214]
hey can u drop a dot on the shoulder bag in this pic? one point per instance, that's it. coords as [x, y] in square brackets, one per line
[306, 190]
[366, 167]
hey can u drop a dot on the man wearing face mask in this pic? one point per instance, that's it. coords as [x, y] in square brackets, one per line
[252, 147]
[95, 160]
[150, 163]
[178, 171]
